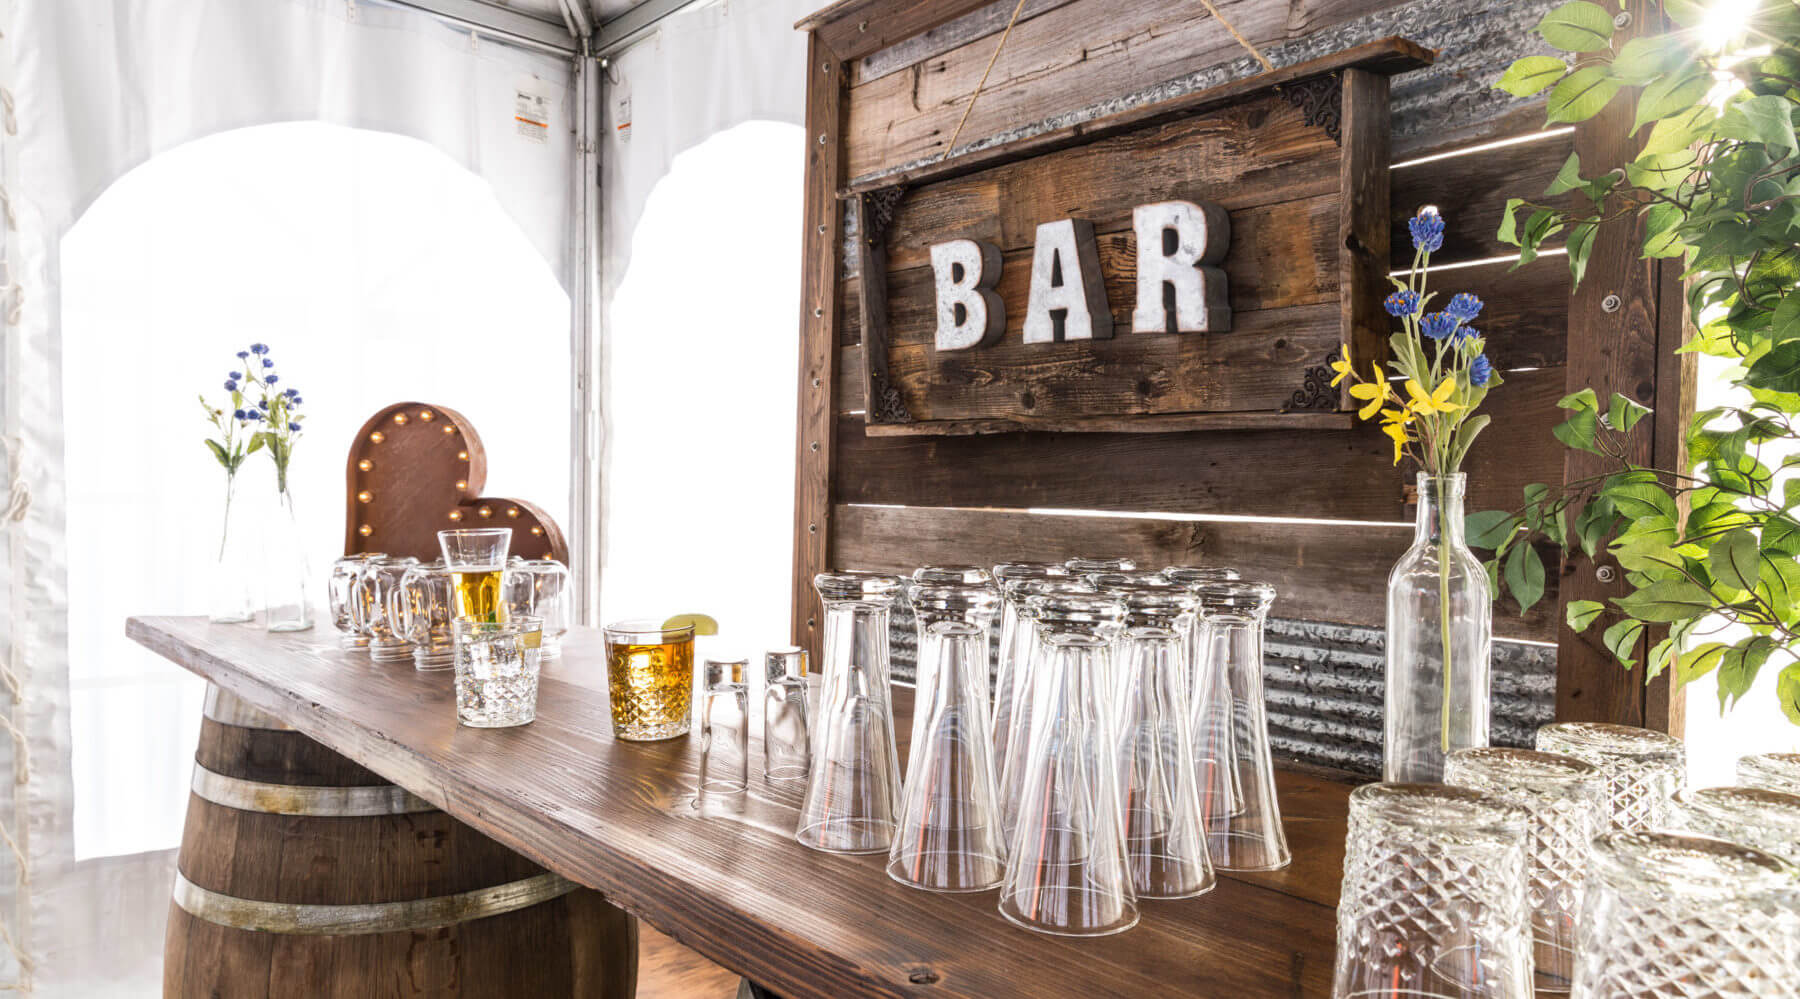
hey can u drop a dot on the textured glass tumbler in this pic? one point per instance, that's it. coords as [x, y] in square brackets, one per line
[787, 734]
[725, 728]
[650, 680]
[340, 592]
[375, 585]
[1562, 795]
[1671, 916]
[497, 671]
[853, 792]
[540, 588]
[1067, 873]
[1642, 769]
[1231, 731]
[422, 607]
[1772, 771]
[1433, 903]
[1747, 816]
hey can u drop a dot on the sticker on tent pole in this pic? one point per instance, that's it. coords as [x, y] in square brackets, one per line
[622, 118]
[531, 110]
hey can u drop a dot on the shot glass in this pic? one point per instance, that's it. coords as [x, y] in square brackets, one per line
[1747, 816]
[1771, 771]
[497, 671]
[725, 728]
[1642, 769]
[477, 562]
[787, 735]
[1562, 795]
[650, 680]
[1433, 903]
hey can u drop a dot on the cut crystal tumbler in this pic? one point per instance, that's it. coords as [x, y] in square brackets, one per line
[1642, 769]
[1231, 732]
[1747, 816]
[1773, 771]
[497, 671]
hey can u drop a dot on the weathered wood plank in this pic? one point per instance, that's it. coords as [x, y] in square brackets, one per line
[1363, 188]
[851, 29]
[1323, 572]
[981, 22]
[1470, 191]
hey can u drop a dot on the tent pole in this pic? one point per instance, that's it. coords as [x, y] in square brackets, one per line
[587, 436]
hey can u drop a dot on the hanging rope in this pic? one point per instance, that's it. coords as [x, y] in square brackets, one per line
[1255, 53]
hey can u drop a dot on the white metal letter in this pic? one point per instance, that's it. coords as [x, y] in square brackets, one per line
[969, 312]
[1178, 242]
[1066, 286]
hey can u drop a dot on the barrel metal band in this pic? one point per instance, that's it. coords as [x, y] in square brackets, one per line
[301, 799]
[227, 708]
[371, 917]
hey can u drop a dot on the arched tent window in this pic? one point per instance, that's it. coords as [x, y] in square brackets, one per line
[378, 270]
[701, 367]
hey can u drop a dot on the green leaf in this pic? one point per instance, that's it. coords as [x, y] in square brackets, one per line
[1647, 551]
[1622, 640]
[1641, 500]
[1679, 131]
[1641, 60]
[1735, 560]
[1581, 613]
[1624, 412]
[1593, 523]
[1525, 576]
[1508, 232]
[1767, 119]
[1738, 668]
[256, 443]
[1698, 661]
[1568, 177]
[1582, 400]
[1577, 27]
[1667, 601]
[1531, 74]
[1662, 231]
[1672, 95]
[1581, 94]
[1787, 691]
[1488, 528]
[1778, 370]
[1579, 244]
[1578, 431]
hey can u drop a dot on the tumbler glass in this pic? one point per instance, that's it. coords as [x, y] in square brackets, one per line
[423, 606]
[497, 671]
[540, 588]
[1773, 771]
[1671, 916]
[853, 792]
[1231, 730]
[787, 736]
[1067, 871]
[1562, 796]
[1014, 642]
[340, 592]
[650, 680]
[948, 835]
[950, 598]
[379, 578]
[1642, 769]
[1081, 565]
[477, 560]
[1165, 833]
[951, 575]
[1188, 575]
[725, 728]
[1747, 816]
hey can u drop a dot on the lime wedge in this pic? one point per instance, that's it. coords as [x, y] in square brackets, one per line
[701, 624]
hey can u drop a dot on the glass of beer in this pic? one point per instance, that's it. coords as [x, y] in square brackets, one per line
[477, 563]
[650, 679]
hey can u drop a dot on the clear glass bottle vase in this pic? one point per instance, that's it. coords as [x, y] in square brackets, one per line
[1439, 641]
[285, 569]
[231, 589]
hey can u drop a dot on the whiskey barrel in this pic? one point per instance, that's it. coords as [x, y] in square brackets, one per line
[303, 874]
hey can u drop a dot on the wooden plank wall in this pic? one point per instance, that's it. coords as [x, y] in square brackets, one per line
[1341, 516]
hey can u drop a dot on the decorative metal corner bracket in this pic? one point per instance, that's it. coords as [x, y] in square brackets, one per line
[1315, 392]
[885, 403]
[1321, 103]
[880, 207]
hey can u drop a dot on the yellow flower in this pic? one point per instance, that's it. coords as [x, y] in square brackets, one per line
[1436, 402]
[1401, 416]
[1341, 365]
[1374, 392]
[1397, 430]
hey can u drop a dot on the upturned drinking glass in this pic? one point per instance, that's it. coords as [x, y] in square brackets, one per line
[422, 607]
[1165, 832]
[951, 593]
[953, 575]
[1563, 798]
[497, 671]
[1642, 769]
[1439, 641]
[379, 578]
[1671, 916]
[1081, 565]
[477, 559]
[1227, 794]
[540, 588]
[948, 835]
[341, 596]
[1773, 771]
[1014, 643]
[1748, 816]
[853, 792]
[1433, 902]
[787, 732]
[650, 680]
[725, 728]
[1231, 730]
[1067, 871]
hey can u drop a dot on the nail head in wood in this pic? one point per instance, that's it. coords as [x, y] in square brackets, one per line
[1610, 303]
[1605, 574]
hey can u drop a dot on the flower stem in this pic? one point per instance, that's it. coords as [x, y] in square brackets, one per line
[225, 525]
[1444, 605]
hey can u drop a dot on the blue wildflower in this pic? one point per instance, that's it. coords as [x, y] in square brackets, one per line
[230, 386]
[1464, 306]
[272, 379]
[238, 414]
[1427, 230]
[1465, 333]
[1480, 370]
[267, 363]
[298, 400]
[235, 375]
[295, 427]
[243, 353]
[1402, 303]
[259, 348]
[1438, 325]
[291, 393]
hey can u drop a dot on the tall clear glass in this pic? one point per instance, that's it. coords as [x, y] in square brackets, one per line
[232, 585]
[1218, 784]
[1014, 643]
[1231, 730]
[477, 560]
[853, 792]
[956, 594]
[1439, 641]
[787, 728]
[286, 575]
[725, 728]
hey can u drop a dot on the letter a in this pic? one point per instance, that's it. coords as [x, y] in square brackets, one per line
[1066, 286]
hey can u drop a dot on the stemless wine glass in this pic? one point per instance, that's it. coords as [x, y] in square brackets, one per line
[1671, 916]
[1433, 903]
[650, 679]
[540, 588]
[1747, 816]
[340, 591]
[1563, 798]
[1643, 769]
[1772, 771]
[422, 607]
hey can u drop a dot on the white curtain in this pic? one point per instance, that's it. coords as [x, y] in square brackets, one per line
[99, 86]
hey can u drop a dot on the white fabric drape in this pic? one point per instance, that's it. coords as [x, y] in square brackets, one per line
[100, 86]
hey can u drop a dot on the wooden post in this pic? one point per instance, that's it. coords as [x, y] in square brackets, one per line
[823, 242]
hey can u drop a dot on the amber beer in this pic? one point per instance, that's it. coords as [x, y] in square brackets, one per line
[650, 679]
[478, 594]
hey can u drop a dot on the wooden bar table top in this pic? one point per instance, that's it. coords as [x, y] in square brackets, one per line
[728, 879]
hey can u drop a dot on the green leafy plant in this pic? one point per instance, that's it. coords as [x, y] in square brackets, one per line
[1708, 551]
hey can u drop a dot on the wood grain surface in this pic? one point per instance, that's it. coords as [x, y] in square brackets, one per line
[728, 880]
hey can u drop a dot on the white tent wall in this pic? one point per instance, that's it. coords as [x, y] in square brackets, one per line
[102, 86]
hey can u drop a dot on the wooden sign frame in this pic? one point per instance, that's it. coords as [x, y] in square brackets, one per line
[1343, 95]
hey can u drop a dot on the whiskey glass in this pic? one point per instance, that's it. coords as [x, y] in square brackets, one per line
[540, 588]
[1642, 769]
[497, 671]
[476, 558]
[650, 680]
[421, 607]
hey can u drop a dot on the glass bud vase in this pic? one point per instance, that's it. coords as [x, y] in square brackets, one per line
[231, 593]
[1439, 624]
[285, 570]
